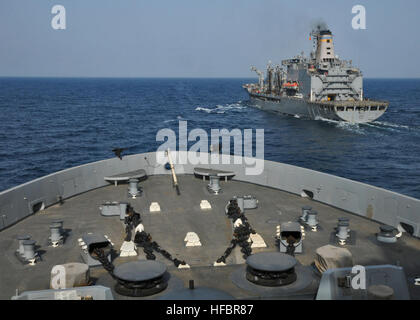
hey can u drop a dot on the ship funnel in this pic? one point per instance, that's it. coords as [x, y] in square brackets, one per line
[324, 46]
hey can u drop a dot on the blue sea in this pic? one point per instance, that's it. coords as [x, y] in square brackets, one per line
[49, 124]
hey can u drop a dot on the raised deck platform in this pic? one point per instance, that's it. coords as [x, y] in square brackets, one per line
[124, 177]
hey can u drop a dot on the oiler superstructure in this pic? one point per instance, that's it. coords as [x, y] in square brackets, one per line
[319, 86]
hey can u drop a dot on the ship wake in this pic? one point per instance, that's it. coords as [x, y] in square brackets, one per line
[352, 127]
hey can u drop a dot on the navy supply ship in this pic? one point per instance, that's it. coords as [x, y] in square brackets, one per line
[319, 86]
[133, 227]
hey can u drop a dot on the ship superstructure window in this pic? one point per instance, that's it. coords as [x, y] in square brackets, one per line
[350, 109]
[373, 108]
[382, 108]
[340, 108]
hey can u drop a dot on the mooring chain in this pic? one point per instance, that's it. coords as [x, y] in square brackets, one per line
[269, 275]
[132, 220]
[241, 233]
[143, 239]
[108, 266]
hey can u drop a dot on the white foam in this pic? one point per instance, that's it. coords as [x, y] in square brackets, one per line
[220, 109]
[203, 109]
[353, 127]
[391, 125]
[172, 120]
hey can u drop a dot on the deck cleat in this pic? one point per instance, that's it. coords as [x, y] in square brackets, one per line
[56, 238]
[312, 220]
[343, 231]
[21, 239]
[214, 185]
[133, 189]
[29, 253]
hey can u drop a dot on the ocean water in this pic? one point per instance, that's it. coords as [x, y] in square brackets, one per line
[51, 124]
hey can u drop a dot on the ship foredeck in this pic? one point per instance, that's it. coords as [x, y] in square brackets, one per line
[182, 214]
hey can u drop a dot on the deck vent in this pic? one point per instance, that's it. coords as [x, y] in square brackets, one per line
[141, 278]
[271, 269]
[214, 185]
[387, 234]
[133, 189]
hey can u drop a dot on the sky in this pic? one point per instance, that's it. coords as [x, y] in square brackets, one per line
[200, 38]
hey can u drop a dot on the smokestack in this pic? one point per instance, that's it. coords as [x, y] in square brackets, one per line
[325, 46]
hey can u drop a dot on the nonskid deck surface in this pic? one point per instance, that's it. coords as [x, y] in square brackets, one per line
[182, 214]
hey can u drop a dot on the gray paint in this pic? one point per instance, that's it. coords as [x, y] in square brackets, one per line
[316, 86]
[368, 201]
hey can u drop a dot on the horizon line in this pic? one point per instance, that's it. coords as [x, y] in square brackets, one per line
[172, 77]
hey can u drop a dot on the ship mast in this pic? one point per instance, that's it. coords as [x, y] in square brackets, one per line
[270, 78]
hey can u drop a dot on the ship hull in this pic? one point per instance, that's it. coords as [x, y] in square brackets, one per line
[300, 107]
